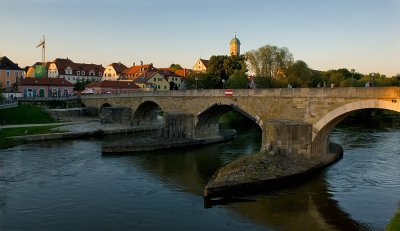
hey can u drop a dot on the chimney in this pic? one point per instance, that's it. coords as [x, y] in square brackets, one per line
[133, 64]
[141, 63]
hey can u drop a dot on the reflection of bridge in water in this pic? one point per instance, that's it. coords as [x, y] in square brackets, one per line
[310, 207]
[297, 120]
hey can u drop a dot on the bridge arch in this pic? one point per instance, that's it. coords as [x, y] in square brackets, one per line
[102, 107]
[208, 120]
[147, 113]
[323, 128]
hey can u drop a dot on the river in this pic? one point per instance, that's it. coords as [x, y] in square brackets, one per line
[70, 185]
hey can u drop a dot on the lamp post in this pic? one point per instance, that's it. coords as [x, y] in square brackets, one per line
[223, 83]
[196, 81]
[352, 76]
[373, 79]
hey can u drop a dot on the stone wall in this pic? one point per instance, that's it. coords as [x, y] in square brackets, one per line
[116, 115]
[178, 125]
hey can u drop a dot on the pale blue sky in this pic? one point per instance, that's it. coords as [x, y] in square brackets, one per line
[326, 34]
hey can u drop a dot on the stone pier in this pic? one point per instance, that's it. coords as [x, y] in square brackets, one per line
[288, 137]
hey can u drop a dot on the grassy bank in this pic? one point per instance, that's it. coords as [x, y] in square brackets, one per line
[6, 133]
[394, 224]
[24, 114]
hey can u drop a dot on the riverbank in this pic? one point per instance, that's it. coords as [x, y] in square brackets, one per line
[265, 171]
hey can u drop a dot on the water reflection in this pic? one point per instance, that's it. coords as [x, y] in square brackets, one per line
[309, 204]
[70, 185]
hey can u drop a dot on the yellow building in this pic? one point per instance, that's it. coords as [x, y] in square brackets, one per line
[235, 47]
[201, 65]
[152, 81]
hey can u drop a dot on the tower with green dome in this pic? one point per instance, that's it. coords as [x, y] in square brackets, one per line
[235, 47]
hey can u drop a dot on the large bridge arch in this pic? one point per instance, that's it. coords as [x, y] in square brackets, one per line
[147, 113]
[104, 105]
[207, 123]
[323, 128]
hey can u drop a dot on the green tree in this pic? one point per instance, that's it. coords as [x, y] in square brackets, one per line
[175, 67]
[80, 85]
[201, 81]
[237, 80]
[269, 62]
[299, 75]
[222, 66]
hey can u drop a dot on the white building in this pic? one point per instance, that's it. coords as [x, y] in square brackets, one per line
[73, 72]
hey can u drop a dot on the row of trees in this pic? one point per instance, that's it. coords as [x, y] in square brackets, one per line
[273, 66]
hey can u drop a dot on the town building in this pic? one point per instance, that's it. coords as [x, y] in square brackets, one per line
[114, 71]
[201, 66]
[10, 73]
[152, 81]
[45, 87]
[37, 70]
[111, 87]
[137, 70]
[74, 72]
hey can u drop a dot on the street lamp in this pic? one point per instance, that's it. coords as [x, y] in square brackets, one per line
[223, 83]
[352, 76]
[196, 81]
[373, 79]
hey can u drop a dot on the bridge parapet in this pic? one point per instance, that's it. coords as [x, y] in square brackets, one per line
[339, 92]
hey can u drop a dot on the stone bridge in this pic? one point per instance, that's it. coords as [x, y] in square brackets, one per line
[298, 120]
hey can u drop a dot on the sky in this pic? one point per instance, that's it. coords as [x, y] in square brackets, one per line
[327, 34]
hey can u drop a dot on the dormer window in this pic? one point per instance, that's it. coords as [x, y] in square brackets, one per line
[82, 73]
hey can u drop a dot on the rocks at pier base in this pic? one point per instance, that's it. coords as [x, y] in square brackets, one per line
[266, 170]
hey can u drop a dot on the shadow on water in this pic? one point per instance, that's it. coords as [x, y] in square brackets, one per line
[306, 204]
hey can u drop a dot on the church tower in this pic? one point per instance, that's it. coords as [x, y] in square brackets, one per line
[235, 47]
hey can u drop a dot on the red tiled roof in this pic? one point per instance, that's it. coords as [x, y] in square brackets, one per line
[183, 72]
[45, 82]
[62, 64]
[134, 69]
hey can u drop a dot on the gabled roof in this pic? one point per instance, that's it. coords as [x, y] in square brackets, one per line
[113, 84]
[205, 62]
[45, 82]
[63, 64]
[143, 78]
[7, 64]
[183, 72]
[118, 67]
[134, 69]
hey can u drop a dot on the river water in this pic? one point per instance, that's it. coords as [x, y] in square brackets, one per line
[70, 185]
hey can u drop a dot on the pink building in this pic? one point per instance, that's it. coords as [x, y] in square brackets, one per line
[45, 87]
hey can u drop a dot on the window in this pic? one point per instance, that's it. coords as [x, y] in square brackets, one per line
[8, 73]
[165, 87]
[16, 74]
[82, 73]
[99, 73]
[155, 79]
[159, 79]
[7, 83]
[158, 86]
[78, 73]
